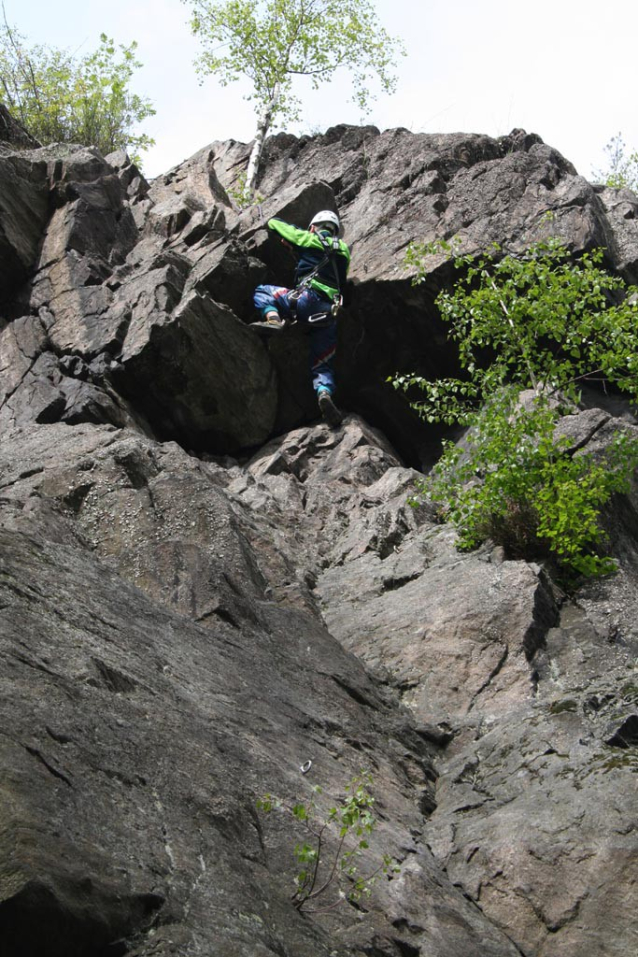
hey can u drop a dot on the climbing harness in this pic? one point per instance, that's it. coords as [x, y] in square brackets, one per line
[330, 247]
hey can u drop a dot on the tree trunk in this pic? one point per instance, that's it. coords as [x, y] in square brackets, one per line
[262, 129]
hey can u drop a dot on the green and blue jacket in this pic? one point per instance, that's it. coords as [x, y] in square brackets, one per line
[309, 251]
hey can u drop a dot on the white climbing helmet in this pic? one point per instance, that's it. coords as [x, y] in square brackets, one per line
[328, 217]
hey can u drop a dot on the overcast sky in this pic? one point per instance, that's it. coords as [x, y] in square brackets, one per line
[565, 69]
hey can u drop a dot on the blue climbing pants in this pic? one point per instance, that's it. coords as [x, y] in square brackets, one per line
[323, 339]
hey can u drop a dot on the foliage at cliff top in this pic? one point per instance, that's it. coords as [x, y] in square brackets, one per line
[272, 42]
[61, 99]
[544, 323]
[622, 167]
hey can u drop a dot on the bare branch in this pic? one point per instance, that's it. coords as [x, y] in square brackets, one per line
[330, 878]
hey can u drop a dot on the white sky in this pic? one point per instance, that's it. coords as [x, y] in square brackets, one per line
[565, 69]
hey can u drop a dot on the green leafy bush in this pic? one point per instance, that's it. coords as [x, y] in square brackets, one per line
[544, 323]
[518, 484]
[327, 858]
[622, 167]
[60, 99]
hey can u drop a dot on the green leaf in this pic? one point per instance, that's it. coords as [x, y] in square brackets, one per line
[549, 323]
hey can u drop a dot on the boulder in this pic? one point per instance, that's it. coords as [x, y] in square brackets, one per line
[199, 373]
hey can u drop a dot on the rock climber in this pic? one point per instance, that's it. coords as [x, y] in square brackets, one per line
[320, 275]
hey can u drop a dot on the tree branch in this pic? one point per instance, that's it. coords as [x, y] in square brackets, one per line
[325, 69]
[330, 877]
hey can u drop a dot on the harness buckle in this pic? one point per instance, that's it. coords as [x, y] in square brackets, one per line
[319, 319]
[294, 296]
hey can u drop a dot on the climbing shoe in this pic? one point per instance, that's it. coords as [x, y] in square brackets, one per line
[329, 411]
[272, 323]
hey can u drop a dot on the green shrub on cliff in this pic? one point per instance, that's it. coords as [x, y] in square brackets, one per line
[539, 323]
[60, 99]
[622, 167]
[328, 855]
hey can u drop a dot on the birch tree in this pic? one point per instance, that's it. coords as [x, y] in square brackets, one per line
[272, 42]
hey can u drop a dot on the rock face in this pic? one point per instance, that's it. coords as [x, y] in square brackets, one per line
[12, 134]
[207, 595]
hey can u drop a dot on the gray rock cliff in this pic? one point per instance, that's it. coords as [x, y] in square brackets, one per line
[203, 588]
